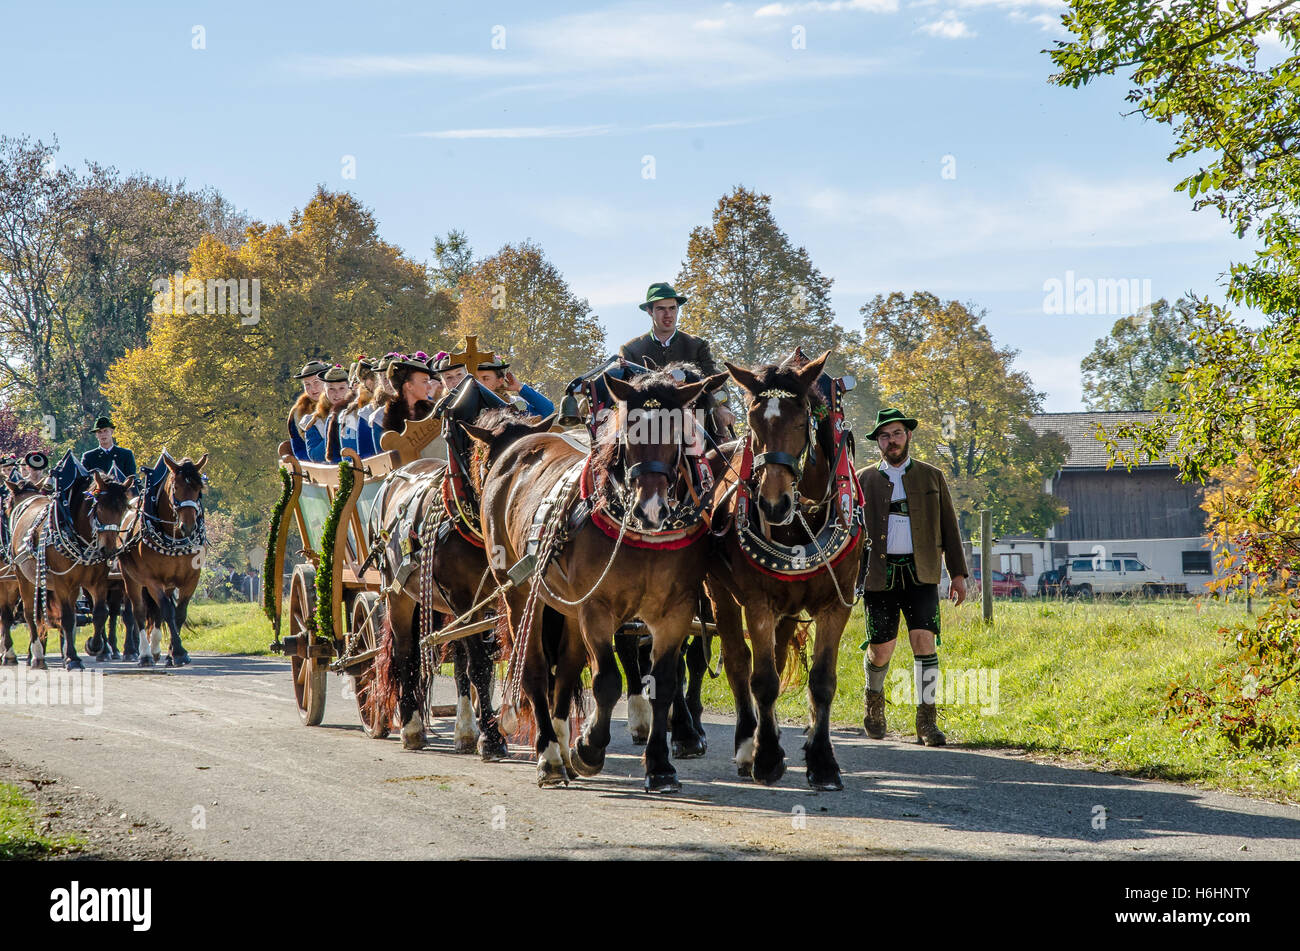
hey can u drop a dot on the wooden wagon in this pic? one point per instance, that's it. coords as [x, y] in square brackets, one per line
[335, 599]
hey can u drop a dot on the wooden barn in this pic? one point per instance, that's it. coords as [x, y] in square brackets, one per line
[1145, 513]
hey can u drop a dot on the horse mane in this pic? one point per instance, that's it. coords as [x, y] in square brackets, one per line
[188, 471]
[657, 384]
[507, 427]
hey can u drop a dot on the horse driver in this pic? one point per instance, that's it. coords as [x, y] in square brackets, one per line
[665, 344]
[107, 454]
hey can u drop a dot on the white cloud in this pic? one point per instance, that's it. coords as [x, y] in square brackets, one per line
[1051, 210]
[575, 132]
[834, 6]
[949, 26]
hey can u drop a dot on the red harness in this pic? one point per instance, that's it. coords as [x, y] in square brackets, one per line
[663, 541]
[455, 502]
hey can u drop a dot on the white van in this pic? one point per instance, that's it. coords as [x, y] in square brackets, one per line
[1087, 576]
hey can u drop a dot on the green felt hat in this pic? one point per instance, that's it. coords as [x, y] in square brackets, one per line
[335, 374]
[660, 291]
[311, 368]
[887, 416]
[102, 422]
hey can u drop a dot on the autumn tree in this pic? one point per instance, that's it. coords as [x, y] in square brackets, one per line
[938, 363]
[1223, 78]
[79, 253]
[17, 439]
[1131, 368]
[519, 305]
[453, 260]
[328, 287]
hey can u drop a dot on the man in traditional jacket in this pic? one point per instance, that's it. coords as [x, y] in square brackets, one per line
[108, 454]
[912, 526]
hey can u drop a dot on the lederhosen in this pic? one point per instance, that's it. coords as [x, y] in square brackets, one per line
[904, 594]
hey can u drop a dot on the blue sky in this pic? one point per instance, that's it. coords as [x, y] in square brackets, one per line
[547, 139]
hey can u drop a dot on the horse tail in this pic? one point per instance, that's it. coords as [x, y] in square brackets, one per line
[384, 688]
[796, 661]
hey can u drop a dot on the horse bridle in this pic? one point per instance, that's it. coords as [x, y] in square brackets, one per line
[794, 463]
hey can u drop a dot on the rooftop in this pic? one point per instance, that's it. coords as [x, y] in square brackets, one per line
[1079, 430]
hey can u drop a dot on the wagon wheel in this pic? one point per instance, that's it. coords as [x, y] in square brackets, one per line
[308, 672]
[368, 611]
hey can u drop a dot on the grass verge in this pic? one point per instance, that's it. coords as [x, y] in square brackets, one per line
[19, 837]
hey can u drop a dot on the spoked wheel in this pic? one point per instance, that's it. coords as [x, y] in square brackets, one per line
[367, 617]
[308, 672]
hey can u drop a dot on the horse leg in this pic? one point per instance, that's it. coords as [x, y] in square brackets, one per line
[638, 707]
[571, 657]
[669, 634]
[115, 599]
[823, 770]
[133, 618]
[99, 617]
[180, 608]
[35, 644]
[735, 661]
[7, 656]
[464, 736]
[128, 624]
[688, 739]
[491, 744]
[535, 685]
[68, 630]
[765, 684]
[606, 684]
[406, 671]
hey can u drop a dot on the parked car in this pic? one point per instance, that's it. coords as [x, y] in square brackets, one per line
[1004, 586]
[1052, 583]
[1086, 577]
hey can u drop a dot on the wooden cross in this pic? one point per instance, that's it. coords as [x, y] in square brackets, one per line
[471, 356]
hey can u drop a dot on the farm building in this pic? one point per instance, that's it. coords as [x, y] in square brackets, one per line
[1146, 514]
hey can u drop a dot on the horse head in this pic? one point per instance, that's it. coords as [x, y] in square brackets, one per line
[184, 490]
[494, 431]
[108, 502]
[782, 431]
[657, 426]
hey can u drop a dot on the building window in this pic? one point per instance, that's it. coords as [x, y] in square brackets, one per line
[1196, 563]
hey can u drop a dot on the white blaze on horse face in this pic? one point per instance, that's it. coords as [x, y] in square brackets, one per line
[773, 409]
[654, 510]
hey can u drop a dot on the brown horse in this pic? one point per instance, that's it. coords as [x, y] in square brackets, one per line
[164, 554]
[63, 557]
[590, 573]
[454, 580]
[791, 544]
[14, 495]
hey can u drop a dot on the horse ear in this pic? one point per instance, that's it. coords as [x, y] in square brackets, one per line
[688, 392]
[478, 433]
[544, 426]
[171, 463]
[203, 461]
[809, 374]
[745, 378]
[621, 389]
[129, 484]
[711, 383]
[98, 479]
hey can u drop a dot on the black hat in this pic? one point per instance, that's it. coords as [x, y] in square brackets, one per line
[410, 363]
[37, 461]
[334, 374]
[445, 363]
[497, 365]
[887, 416]
[311, 368]
[103, 422]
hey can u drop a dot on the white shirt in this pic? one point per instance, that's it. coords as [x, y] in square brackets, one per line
[899, 539]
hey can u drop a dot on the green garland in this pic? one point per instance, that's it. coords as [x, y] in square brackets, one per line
[325, 570]
[271, 609]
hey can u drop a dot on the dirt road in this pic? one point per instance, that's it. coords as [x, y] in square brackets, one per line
[215, 752]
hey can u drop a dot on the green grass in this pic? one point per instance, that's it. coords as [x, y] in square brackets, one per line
[234, 628]
[1086, 682]
[19, 838]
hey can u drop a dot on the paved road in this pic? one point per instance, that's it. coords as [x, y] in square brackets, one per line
[216, 752]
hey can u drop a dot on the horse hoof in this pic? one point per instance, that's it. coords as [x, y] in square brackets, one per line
[116, 655]
[179, 659]
[492, 751]
[831, 783]
[551, 774]
[169, 662]
[770, 775]
[9, 660]
[465, 745]
[691, 749]
[129, 657]
[662, 783]
[157, 657]
[38, 664]
[583, 767]
[73, 663]
[146, 660]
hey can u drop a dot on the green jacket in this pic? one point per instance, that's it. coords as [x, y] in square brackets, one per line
[681, 347]
[934, 522]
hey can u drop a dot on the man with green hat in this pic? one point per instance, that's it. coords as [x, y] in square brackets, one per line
[107, 454]
[666, 344]
[912, 526]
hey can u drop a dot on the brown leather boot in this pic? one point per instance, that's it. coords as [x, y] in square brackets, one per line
[927, 726]
[874, 720]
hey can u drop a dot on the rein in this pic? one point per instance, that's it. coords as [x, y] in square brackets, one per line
[169, 543]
